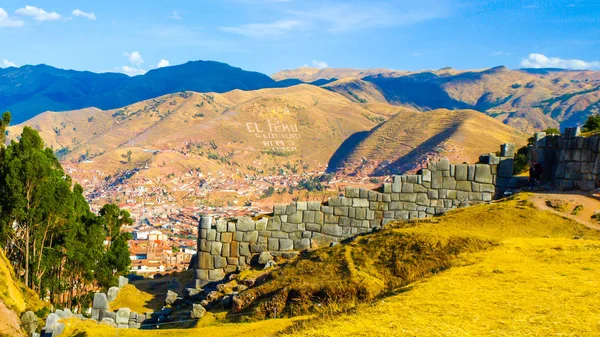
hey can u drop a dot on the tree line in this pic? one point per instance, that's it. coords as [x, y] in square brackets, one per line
[57, 245]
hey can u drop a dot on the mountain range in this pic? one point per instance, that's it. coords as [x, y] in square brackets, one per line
[527, 99]
[30, 90]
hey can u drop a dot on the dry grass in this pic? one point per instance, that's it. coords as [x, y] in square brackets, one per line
[214, 328]
[10, 292]
[131, 297]
[538, 278]
[541, 280]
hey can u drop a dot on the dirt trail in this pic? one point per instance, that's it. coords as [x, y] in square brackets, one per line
[589, 201]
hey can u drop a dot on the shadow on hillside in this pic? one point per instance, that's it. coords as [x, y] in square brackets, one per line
[341, 154]
[416, 155]
[424, 90]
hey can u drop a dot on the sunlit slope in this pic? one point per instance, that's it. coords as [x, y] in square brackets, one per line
[410, 138]
[530, 99]
[15, 298]
[540, 280]
[263, 127]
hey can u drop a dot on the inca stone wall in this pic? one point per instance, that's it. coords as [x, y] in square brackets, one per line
[224, 245]
[570, 160]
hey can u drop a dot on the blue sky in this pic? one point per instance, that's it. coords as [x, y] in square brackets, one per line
[270, 35]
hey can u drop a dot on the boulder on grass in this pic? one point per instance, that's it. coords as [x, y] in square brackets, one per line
[198, 311]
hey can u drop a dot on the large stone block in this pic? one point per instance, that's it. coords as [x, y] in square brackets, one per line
[123, 316]
[274, 224]
[205, 261]
[461, 172]
[216, 274]
[332, 229]
[215, 248]
[436, 180]
[352, 192]
[289, 227]
[483, 174]
[505, 168]
[313, 227]
[261, 224]
[112, 293]
[426, 175]
[360, 202]
[245, 224]
[244, 249]
[123, 281]
[507, 150]
[279, 209]
[251, 237]
[100, 301]
[322, 240]
[449, 183]
[464, 186]
[206, 222]
[302, 244]
[286, 245]
[340, 211]
[219, 262]
[314, 206]
[443, 164]
[227, 237]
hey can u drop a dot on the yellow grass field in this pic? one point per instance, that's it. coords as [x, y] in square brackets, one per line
[541, 279]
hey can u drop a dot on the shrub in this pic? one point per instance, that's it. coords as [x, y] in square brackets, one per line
[552, 131]
[521, 161]
[592, 124]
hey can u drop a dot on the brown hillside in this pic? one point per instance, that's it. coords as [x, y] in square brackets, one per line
[357, 90]
[308, 74]
[529, 100]
[410, 138]
[228, 132]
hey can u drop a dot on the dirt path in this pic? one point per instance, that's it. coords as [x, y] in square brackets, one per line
[589, 201]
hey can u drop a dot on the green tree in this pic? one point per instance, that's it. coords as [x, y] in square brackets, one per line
[35, 198]
[6, 117]
[552, 131]
[47, 229]
[592, 123]
[114, 218]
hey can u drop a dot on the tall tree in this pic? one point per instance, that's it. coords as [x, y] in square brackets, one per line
[6, 117]
[47, 229]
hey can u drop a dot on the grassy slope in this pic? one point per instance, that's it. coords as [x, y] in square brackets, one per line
[410, 137]
[130, 297]
[541, 280]
[538, 278]
[15, 298]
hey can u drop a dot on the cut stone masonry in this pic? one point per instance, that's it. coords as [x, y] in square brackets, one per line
[226, 244]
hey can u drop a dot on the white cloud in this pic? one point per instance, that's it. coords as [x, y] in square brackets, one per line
[163, 63]
[319, 64]
[90, 15]
[7, 21]
[339, 18]
[175, 15]
[131, 71]
[38, 14]
[135, 58]
[542, 61]
[501, 53]
[264, 30]
[6, 63]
